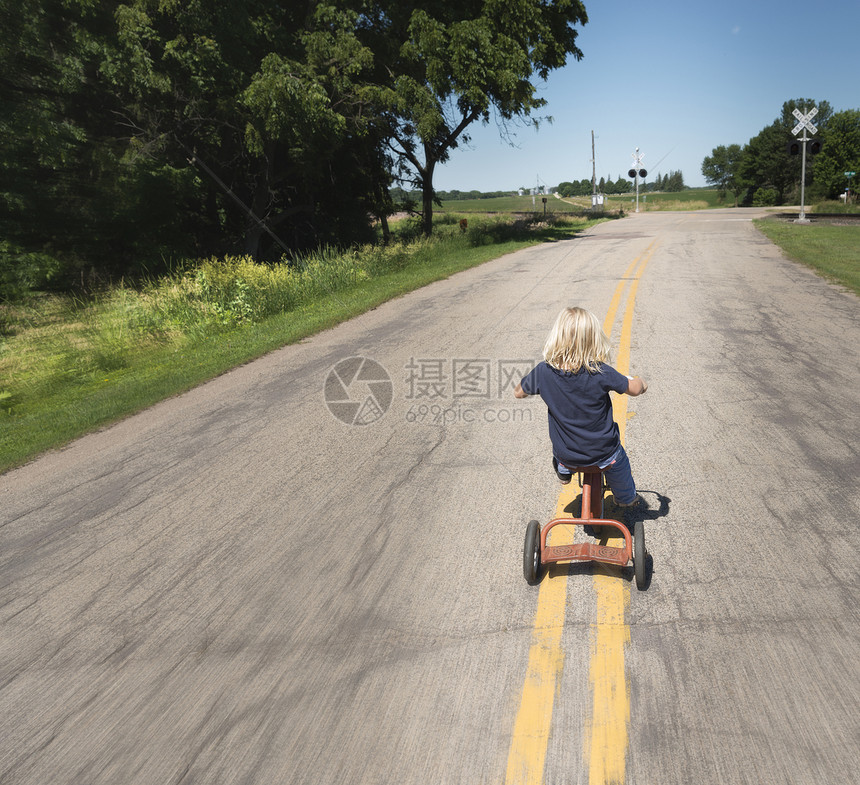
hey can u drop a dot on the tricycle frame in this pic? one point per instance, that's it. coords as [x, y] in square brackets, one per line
[537, 553]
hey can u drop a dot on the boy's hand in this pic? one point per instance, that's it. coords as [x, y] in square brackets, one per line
[519, 392]
[636, 386]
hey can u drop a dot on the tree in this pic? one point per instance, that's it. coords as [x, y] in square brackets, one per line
[59, 171]
[623, 186]
[722, 169]
[134, 132]
[441, 67]
[266, 99]
[142, 131]
[840, 153]
[675, 182]
[766, 163]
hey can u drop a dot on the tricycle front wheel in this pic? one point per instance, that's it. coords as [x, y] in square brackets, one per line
[531, 553]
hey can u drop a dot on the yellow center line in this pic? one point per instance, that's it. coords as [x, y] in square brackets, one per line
[606, 732]
[529, 743]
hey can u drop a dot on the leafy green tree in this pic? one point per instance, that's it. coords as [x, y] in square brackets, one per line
[134, 132]
[722, 169]
[623, 186]
[575, 188]
[766, 163]
[61, 199]
[840, 153]
[267, 100]
[675, 182]
[441, 67]
[566, 189]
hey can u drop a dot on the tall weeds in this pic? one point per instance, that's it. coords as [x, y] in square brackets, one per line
[55, 339]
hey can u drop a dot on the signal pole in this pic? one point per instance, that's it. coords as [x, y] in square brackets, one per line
[636, 172]
[804, 123]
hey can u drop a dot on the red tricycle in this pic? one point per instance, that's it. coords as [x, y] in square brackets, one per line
[537, 554]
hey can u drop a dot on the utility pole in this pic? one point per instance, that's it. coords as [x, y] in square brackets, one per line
[593, 171]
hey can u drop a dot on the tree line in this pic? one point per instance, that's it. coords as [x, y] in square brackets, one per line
[667, 183]
[767, 169]
[134, 133]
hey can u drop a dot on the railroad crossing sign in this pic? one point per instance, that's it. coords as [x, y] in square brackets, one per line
[804, 121]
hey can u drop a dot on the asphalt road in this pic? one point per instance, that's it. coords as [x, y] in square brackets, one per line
[237, 586]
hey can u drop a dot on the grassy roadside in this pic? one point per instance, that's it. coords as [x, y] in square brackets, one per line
[692, 199]
[69, 366]
[832, 251]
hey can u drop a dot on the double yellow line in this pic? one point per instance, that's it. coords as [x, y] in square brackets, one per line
[605, 735]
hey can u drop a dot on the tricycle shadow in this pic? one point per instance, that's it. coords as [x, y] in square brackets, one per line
[649, 510]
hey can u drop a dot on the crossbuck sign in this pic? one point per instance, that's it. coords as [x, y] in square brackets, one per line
[804, 121]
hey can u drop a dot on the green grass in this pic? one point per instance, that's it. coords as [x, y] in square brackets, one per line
[836, 207]
[697, 199]
[833, 251]
[70, 365]
[694, 199]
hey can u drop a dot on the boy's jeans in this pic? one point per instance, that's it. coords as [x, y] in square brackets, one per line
[619, 477]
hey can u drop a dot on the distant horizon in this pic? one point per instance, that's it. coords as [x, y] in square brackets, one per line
[553, 187]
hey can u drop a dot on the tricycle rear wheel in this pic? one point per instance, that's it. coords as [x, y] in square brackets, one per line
[640, 555]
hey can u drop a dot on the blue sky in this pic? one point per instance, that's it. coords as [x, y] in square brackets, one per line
[675, 79]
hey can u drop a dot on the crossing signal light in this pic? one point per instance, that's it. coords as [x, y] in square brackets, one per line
[793, 148]
[814, 147]
[643, 174]
[631, 173]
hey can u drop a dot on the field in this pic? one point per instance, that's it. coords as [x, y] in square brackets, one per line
[511, 204]
[698, 199]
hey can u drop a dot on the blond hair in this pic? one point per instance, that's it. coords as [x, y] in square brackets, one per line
[576, 341]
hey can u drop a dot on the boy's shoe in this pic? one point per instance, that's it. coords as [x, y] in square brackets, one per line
[635, 503]
[565, 478]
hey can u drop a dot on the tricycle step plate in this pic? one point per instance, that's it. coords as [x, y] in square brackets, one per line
[585, 551]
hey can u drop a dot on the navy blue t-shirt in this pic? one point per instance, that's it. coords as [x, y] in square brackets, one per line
[581, 427]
